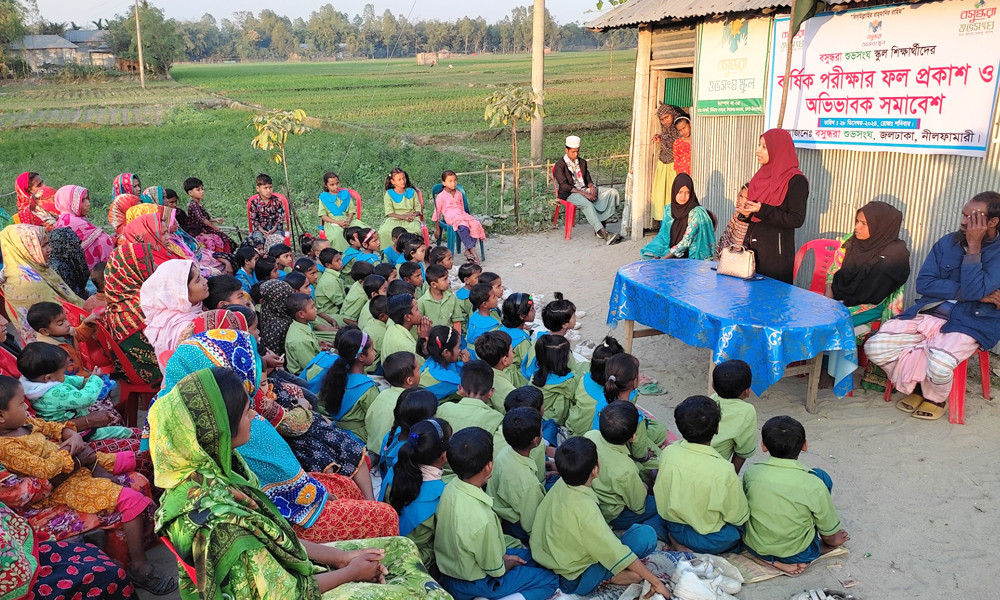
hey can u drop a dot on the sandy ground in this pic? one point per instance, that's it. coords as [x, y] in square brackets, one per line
[919, 499]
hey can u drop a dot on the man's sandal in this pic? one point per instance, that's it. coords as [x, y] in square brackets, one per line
[910, 403]
[928, 411]
[823, 594]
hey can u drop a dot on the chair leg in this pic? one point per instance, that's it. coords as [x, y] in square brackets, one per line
[482, 250]
[984, 373]
[956, 398]
[570, 221]
[555, 217]
[888, 390]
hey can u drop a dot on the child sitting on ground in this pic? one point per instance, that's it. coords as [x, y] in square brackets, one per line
[439, 304]
[405, 316]
[353, 246]
[450, 206]
[97, 300]
[530, 397]
[494, 348]
[737, 437]
[792, 517]
[376, 327]
[413, 486]
[356, 298]
[484, 317]
[441, 373]
[265, 269]
[369, 249]
[347, 391]
[622, 371]
[282, 256]
[516, 485]
[570, 536]
[373, 285]
[314, 249]
[413, 405]
[50, 321]
[440, 255]
[555, 378]
[401, 371]
[330, 288]
[474, 409]
[301, 343]
[474, 558]
[468, 274]
[298, 282]
[516, 317]
[621, 493]
[80, 477]
[697, 492]
[245, 263]
[413, 273]
[56, 396]
[590, 389]
[307, 267]
[393, 253]
[224, 291]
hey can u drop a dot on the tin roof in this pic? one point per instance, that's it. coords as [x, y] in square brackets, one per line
[635, 12]
[92, 36]
[43, 42]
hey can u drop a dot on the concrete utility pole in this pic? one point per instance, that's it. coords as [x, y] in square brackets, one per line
[138, 42]
[537, 76]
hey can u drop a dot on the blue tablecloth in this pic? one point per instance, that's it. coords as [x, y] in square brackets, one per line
[765, 322]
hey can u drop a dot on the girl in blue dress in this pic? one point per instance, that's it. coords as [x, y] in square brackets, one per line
[554, 377]
[338, 210]
[414, 405]
[517, 314]
[347, 392]
[441, 374]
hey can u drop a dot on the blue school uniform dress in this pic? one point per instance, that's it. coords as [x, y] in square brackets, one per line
[389, 255]
[448, 378]
[248, 280]
[349, 256]
[519, 336]
[368, 257]
[478, 325]
[390, 452]
[419, 510]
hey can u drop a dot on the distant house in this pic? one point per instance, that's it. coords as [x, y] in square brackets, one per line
[77, 47]
[93, 42]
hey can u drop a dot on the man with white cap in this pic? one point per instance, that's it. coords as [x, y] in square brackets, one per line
[575, 185]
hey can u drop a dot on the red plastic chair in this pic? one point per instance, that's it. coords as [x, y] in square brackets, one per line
[824, 251]
[569, 206]
[133, 388]
[288, 215]
[956, 398]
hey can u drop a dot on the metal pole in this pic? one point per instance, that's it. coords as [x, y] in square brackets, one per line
[537, 76]
[138, 42]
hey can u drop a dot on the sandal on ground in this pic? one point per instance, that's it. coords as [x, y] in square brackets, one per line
[153, 582]
[910, 403]
[651, 389]
[823, 594]
[928, 411]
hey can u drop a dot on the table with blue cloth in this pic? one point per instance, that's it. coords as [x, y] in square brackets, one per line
[764, 322]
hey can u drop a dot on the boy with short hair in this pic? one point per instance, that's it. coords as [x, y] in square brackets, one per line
[570, 537]
[97, 300]
[516, 485]
[697, 491]
[439, 304]
[330, 287]
[411, 272]
[353, 246]
[282, 256]
[737, 437]
[356, 298]
[468, 274]
[261, 219]
[265, 269]
[50, 321]
[474, 558]
[529, 396]
[623, 497]
[792, 517]
[494, 347]
[402, 372]
[390, 255]
[484, 318]
[376, 326]
[223, 291]
[301, 343]
[474, 408]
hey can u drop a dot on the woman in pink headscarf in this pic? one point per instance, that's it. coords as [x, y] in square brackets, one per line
[776, 205]
[73, 204]
[171, 299]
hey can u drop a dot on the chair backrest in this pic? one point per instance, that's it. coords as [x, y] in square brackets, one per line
[112, 349]
[438, 187]
[824, 251]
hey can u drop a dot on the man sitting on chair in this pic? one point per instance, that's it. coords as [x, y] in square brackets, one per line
[576, 186]
[957, 313]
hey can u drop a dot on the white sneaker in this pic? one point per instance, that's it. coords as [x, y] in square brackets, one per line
[572, 336]
[578, 325]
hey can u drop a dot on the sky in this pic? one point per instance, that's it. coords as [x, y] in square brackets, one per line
[563, 11]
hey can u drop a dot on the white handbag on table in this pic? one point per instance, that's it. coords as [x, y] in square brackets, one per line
[737, 261]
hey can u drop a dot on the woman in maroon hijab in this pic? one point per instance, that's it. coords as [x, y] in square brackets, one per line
[776, 205]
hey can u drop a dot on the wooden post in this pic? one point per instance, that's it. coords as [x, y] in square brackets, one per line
[638, 159]
[486, 190]
[138, 43]
[629, 333]
[503, 183]
[537, 76]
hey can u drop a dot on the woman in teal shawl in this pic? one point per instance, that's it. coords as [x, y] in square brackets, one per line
[229, 538]
[688, 231]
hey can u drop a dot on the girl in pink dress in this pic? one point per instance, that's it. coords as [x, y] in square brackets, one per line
[450, 205]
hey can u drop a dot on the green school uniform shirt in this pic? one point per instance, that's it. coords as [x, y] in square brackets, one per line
[737, 429]
[697, 487]
[580, 418]
[376, 331]
[354, 419]
[515, 488]
[501, 387]
[465, 309]
[470, 412]
[557, 398]
[441, 312]
[378, 419]
[468, 541]
[301, 346]
[329, 294]
[365, 316]
[354, 302]
[787, 505]
[569, 534]
[618, 485]
[537, 453]
[398, 339]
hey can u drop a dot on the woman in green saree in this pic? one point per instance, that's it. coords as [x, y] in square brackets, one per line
[230, 539]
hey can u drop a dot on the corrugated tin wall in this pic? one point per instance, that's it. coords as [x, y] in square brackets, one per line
[930, 189]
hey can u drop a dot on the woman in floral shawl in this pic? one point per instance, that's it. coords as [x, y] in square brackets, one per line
[230, 539]
[28, 279]
[73, 204]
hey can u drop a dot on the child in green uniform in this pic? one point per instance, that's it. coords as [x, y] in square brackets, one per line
[413, 273]
[792, 517]
[404, 315]
[373, 285]
[413, 486]
[330, 288]
[442, 372]
[621, 383]
[737, 437]
[474, 409]
[356, 298]
[494, 348]
[555, 378]
[468, 274]
[347, 391]
[516, 487]
[570, 537]
[697, 491]
[376, 326]
[439, 304]
[400, 369]
[301, 344]
[623, 496]
[474, 557]
[517, 314]
[590, 389]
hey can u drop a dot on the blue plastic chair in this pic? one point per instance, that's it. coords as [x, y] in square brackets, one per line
[454, 242]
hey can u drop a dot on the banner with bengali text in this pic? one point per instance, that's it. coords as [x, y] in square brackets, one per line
[732, 66]
[920, 79]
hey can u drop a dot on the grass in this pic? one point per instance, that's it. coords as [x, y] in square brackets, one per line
[375, 115]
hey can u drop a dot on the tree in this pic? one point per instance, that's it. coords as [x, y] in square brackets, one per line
[12, 29]
[508, 107]
[44, 27]
[162, 44]
[327, 29]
